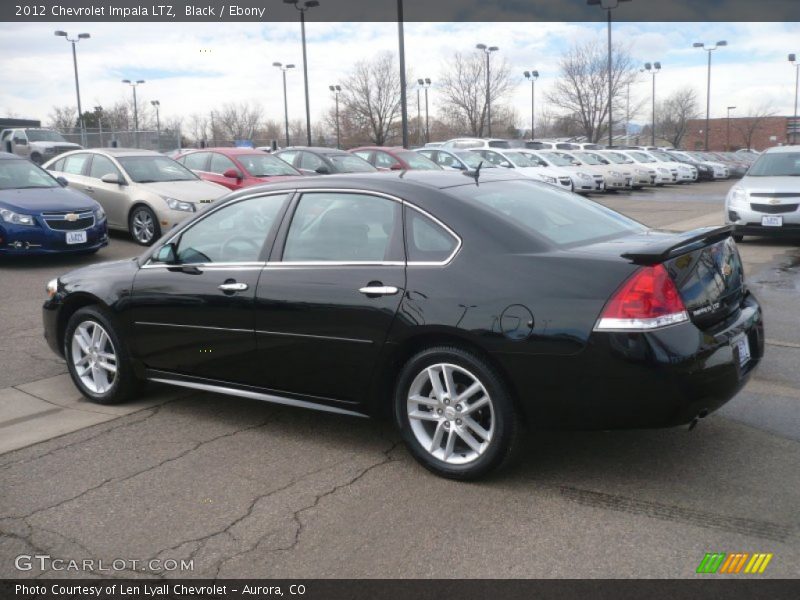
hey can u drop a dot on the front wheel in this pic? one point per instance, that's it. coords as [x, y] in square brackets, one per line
[455, 414]
[97, 360]
[144, 226]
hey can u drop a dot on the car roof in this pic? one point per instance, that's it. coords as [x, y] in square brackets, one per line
[115, 152]
[382, 148]
[317, 149]
[223, 150]
[782, 149]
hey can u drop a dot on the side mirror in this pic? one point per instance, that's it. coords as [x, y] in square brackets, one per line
[396, 167]
[112, 178]
[167, 254]
[323, 170]
[232, 174]
[62, 181]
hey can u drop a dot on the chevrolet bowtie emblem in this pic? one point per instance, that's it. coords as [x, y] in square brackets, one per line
[774, 201]
[71, 217]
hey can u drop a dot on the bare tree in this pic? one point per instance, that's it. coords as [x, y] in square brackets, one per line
[198, 127]
[674, 113]
[582, 87]
[63, 118]
[238, 121]
[462, 90]
[371, 97]
[752, 123]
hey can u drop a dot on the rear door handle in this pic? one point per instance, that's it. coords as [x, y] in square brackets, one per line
[379, 290]
[233, 287]
[89, 189]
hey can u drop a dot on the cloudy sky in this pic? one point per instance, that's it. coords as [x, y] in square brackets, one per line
[194, 67]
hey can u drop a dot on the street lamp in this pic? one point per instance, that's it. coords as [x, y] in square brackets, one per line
[285, 68]
[306, 5]
[73, 41]
[796, 125]
[425, 84]
[608, 5]
[709, 49]
[133, 84]
[98, 111]
[156, 104]
[728, 128]
[653, 70]
[533, 76]
[336, 89]
[487, 50]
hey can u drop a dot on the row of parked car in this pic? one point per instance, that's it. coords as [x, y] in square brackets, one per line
[69, 203]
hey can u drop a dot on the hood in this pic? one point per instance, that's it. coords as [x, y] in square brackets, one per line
[68, 145]
[194, 190]
[34, 201]
[770, 185]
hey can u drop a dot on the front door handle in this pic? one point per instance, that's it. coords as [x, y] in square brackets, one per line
[379, 290]
[233, 287]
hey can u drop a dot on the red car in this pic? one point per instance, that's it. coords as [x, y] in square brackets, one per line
[236, 168]
[395, 158]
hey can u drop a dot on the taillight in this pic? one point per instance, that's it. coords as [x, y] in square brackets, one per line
[647, 300]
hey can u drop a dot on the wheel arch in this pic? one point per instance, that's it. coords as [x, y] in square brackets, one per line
[72, 304]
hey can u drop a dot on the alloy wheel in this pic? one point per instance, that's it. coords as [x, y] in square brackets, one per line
[94, 357]
[450, 413]
[143, 226]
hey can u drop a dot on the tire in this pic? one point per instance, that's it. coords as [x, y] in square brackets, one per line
[98, 383]
[737, 237]
[437, 435]
[37, 158]
[143, 225]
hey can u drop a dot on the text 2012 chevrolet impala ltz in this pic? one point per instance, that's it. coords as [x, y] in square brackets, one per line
[465, 308]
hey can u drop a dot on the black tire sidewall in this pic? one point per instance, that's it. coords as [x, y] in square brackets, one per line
[124, 381]
[506, 421]
[156, 224]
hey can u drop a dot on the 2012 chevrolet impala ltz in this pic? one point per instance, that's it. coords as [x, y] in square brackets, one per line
[464, 304]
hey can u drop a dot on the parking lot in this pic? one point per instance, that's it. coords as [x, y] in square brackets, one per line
[239, 487]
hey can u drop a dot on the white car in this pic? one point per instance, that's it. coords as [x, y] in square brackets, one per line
[686, 173]
[471, 143]
[608, 181]
[643, 175]
[721, 170]
[527, 164]
[583, 180]
[664, 174]
[765, 201]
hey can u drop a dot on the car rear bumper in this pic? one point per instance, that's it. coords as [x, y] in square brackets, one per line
[662, 378]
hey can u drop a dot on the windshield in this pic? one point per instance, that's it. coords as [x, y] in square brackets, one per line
[265, 165]
[617, 158]
[522, 160]
[777, 164]
[642, 157]
[151, 169]
[473, 159]
[589, 159]
[557, 159]
[415, 160]
[558, 216]
[663, 157]
[44, 135]
[22, 175]
[350, 163]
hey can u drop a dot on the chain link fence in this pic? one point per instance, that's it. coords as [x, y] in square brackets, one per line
[163, 141]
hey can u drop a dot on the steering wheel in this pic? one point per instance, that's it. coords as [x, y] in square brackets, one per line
[227, 245]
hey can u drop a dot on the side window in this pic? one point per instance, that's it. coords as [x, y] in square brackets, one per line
[196, 161]
[339, 227]
[311, 162]
[102, 165]
[235, 233]
[365, 154]
[220, 163]
[57, 166]
[445, 160]
[288, 156]
[426, 240]
[385, 161]
[74, 164]
[492, 157]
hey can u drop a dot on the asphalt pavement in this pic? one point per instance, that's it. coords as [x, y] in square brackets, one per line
[240, 488]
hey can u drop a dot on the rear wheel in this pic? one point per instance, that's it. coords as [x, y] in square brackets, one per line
[143, 225]
[37, 158]
[454, 413]
[737, 237]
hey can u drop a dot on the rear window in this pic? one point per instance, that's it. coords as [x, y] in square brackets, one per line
[350, 163]
[562, 218]
[416, 160]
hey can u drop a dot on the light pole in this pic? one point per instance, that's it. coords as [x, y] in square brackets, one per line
[156, 104]
[336, 89]
[709, 50]
[401, 47]
[98, 110]
[653, 70]
[133, 84]
[426, 83]
[608, 5]
[728, 129]
[419, 115]
[533, 76]
[487, 50]
[73, 41]
[285, 68]
[796, 125]
[306, 5]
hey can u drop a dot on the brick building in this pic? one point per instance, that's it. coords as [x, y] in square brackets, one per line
[762, 133]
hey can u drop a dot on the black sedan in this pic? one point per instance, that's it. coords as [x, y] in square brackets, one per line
[466, 305]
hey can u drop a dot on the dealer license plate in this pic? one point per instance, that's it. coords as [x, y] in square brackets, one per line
[76, 237]
[772, 221]
[742, 345]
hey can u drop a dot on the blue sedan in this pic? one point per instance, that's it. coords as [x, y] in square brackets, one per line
[39, 215]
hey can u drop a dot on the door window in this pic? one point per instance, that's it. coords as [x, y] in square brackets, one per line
[195, 161]
[233, 234]
[385, 161]
[426, 240]
[220, 163]
[102, 165]
[340, 227]
[363, 154]
[311, 162]
[287, 156]
[446, 160]
[74, 164]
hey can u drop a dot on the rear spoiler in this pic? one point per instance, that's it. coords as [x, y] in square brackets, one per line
[662, 249]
